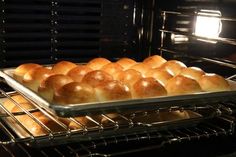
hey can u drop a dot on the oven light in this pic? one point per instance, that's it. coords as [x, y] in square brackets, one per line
[208, 24]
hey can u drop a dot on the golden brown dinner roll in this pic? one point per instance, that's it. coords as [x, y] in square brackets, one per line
[21, 70]
[74, 93]
[78, 72]
[98, 63]
[9, 104]
[192, 72]
[51, 84]
[63, 67]
[174, 67]
[154, 61]
[213, 82]
[147, 87]
[126, 63]
[161, 76]
[140, 67]
[182, 85]
[33, 78]
[112, 68]
[128, 77]
[112, 90]
[96, 77]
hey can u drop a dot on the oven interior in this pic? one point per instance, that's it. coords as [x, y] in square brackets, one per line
[46, 32]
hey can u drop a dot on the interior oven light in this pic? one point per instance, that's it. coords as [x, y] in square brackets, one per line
[208, 24]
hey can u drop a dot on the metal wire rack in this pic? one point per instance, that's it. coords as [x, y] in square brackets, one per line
[97, 126]
[217, 127]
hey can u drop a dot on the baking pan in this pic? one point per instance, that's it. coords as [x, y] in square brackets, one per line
[72, 110]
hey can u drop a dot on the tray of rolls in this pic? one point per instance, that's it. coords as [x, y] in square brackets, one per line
[101, 86]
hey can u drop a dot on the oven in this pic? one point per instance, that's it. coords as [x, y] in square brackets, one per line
[196, 32]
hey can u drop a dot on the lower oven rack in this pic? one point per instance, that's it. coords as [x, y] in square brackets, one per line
[122, 124]
[140, 141]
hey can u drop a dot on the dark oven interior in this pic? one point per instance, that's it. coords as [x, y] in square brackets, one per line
[197, 32]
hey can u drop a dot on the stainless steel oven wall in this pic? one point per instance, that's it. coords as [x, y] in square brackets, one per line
[45, 31]
[181, 26]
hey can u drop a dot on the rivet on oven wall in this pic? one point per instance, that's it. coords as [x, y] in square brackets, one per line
[125, 7]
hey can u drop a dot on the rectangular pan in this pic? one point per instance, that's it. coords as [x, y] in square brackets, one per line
[72, 110]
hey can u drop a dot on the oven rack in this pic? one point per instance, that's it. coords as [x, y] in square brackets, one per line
[103, 125]
[164, 31]
[143, 141]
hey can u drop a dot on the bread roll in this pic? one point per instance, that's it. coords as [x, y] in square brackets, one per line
[154, 61]
[128, 77]
[78, 72]
[192, 72]
[63, 67]
[174, 67]
[126, 63]
[34, 77]
[97, 63]
[147, 87]
[182, 85]
[161, 76]
[21, 70]
[9, 104]
[96, 77]
[213, 83]
[74, 93]
[112, 90]
[140, 67]
[112, 68]
[51, 84]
